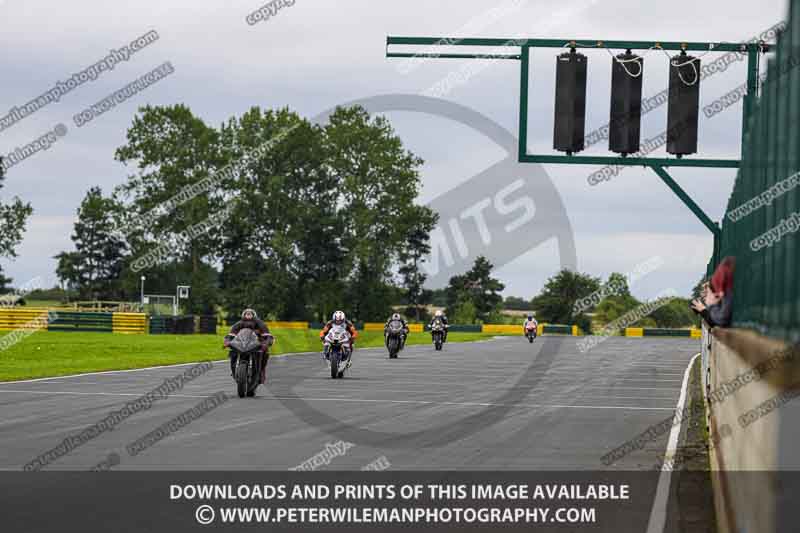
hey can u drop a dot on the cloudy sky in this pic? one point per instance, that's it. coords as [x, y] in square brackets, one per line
[314, 54]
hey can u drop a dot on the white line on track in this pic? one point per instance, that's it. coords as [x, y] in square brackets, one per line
[585, 396]
[472, 404]
[658, 514]
[460, 383]
[76, 393]
[363, 400]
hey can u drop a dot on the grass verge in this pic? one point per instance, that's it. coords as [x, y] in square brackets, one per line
[52, 353]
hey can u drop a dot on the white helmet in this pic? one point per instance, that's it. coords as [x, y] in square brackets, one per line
[438, 312]
[338, 317]
[396, 316]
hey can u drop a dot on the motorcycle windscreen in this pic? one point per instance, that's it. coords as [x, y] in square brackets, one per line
[246, 341]
[338, 334]
[395, 326]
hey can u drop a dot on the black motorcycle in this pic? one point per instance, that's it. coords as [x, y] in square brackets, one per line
[394, 338]
[246, 347]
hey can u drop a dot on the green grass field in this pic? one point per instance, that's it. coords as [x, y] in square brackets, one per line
[52, 353]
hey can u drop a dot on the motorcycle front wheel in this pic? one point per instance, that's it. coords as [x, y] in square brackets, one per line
[334, 359]
[241, 379]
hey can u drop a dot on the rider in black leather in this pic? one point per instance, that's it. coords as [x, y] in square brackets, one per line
[250, 320]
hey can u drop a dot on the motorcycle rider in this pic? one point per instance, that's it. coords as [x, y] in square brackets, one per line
[250, 320]
[439, 316]
[530, 320]
[395, 317]
[338, 319]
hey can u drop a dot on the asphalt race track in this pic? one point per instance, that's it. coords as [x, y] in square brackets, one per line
[497, 405]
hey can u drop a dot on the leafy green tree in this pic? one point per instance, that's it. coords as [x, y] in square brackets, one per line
[171, 149]
[477, 286]
[377, 181]
[464, 311]
[67, 270]
[516, 303]
[438, 297]
[613, 307]
[618, 283]
[698, 288]
[13, 217]
[95, 267]
[556, 301]
[675, 314]
[282, 249]
[4, 283]
[411, 257]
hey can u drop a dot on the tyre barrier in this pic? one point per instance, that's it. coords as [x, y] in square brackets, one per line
[27, 318]
[71, 321]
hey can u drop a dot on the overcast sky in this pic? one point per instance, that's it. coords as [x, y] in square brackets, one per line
[315, 54]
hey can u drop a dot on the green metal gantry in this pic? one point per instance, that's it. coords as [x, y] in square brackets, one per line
[657, 164]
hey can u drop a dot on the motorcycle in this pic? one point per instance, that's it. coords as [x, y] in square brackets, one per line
[247, 348]
[394, 332]
[337, 350]
[437, 335]
[530, 332]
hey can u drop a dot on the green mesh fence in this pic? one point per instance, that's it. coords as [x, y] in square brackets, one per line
[766, 285]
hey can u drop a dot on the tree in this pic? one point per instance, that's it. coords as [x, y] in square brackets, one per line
[96, 265]
[675, 314]
[618, 284]
[697, 290]
[13, 217]
[477, 287]
[411, 256]
[464, 311]
[67, 270]
[377, 181]
[556, 301]
[282, 249]
[171, 149]
[613, 307]
[4, 283]
[515, 303]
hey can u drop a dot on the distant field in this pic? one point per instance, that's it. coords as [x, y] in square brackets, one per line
[52, 353]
